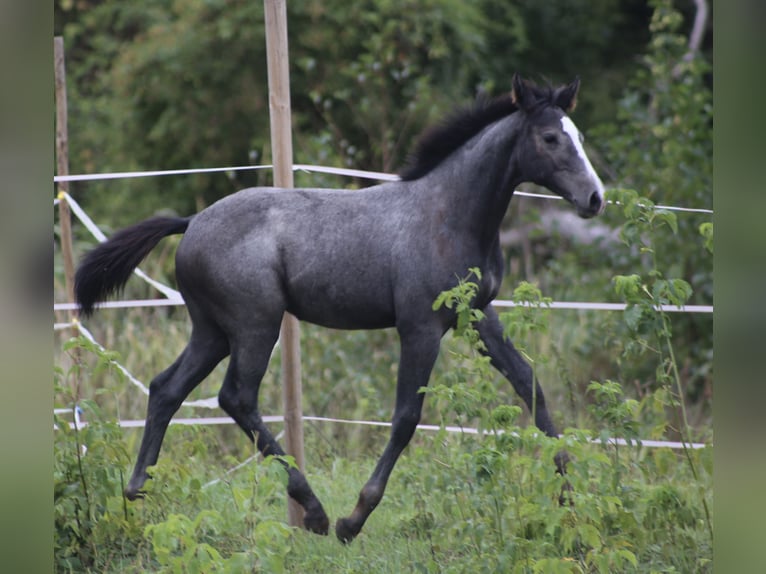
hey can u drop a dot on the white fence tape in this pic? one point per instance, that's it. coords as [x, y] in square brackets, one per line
[572, 305]
[209, 403]
[423, 427]
[376, 175]
[584, 306]
[363, 174]
[212, 402]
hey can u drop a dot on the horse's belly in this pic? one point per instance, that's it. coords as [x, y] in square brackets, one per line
[340, 314]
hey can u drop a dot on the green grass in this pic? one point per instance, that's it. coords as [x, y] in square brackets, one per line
[454, 504]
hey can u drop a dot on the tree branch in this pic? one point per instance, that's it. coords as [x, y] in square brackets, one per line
[696, 35]
[698, 31]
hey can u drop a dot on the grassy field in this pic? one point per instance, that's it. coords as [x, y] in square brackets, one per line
[456, 503]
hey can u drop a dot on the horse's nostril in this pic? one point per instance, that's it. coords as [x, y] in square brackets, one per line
[594, 201]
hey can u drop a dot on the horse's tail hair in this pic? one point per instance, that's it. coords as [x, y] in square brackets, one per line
[106, 269]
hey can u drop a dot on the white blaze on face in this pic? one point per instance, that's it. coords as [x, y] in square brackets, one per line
[571, 130]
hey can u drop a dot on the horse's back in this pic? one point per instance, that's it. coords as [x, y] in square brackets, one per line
[324, 255]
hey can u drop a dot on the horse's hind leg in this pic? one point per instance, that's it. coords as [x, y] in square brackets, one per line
[166, 393]
[506, 359]
[239, 398]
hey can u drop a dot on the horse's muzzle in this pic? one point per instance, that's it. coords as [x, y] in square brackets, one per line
[595, 206]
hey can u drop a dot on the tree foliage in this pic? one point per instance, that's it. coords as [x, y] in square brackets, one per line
[661, 145]
[178, 84]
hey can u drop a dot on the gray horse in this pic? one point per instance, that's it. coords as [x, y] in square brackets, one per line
[366, 259]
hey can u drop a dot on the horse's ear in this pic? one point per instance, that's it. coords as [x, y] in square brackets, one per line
[521, 95]
[566, 97]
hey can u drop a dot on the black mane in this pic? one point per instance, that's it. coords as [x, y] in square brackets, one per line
[439, 141]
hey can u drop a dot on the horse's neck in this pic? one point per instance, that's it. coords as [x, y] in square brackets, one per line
[476, 183]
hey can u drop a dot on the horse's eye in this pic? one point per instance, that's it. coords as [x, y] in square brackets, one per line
[550, 138]
[582, 137]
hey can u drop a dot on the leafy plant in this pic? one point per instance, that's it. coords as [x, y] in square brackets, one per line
[178, 527]
[661, 146]
[646, 298]
[91, 519]
[500, 493]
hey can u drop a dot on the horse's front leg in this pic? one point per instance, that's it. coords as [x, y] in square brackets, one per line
[506, 359]
[418, 355]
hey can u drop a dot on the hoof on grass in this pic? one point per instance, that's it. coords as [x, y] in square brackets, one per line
[345, 531]
[318, 523]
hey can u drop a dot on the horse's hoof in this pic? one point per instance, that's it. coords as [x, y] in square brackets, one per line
[133, 490]
[345, 531]
[318, 523]
[134, 494]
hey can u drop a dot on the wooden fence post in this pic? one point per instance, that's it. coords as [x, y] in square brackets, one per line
[62, 167]
[275, 14]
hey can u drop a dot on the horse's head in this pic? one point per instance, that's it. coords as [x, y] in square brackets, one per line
[553, 155]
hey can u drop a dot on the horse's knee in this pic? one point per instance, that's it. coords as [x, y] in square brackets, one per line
[404, 425]
[237, 400]
[164, 394]
[227, 400]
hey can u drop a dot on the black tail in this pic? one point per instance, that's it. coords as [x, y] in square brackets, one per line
[105, 269]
